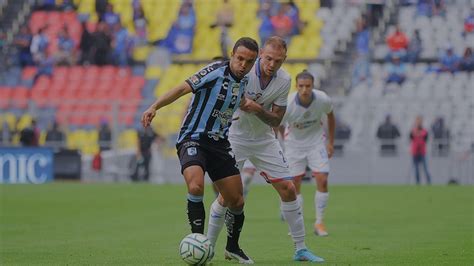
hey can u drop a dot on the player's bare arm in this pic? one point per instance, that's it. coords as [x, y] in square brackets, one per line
[163, 101]
[331, 129]
[272, 118]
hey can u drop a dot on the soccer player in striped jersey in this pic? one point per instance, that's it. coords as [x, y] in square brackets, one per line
[305, 141]
[203, 144]
[252, 138]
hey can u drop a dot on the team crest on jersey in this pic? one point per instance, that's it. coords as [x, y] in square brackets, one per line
[235, 88]
[192, 151]
[306, 114]
[195, 79]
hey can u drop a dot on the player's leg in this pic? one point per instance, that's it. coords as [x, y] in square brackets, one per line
[218, 206]
[321, 198]
[297, 161]
[319, 164]
[193, 160]
[226, 176]
[231, 191]
[194, 177]
[273, 163]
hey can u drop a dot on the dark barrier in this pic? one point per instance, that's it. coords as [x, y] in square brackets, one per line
[67, 164]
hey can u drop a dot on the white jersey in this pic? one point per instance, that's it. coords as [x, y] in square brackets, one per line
[248, 126]
[304, 126]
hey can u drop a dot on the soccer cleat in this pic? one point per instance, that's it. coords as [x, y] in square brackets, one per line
[320, 230]
[306, 255]
[238, 255]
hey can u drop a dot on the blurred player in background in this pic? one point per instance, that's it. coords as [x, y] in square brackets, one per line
[203, 143]
[252, 138]
[305, 141]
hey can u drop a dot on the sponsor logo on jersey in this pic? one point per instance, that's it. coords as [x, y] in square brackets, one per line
[195, 79]
[192, 151]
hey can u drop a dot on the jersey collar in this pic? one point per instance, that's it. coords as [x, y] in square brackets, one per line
[298, 101]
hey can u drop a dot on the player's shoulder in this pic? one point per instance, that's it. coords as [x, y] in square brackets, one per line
[283, 75]
[321, 95]
[212, 67]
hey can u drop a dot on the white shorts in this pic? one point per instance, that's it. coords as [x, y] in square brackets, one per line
[267, 156]
[315, 157]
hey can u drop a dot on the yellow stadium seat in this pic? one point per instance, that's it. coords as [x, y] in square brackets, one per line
[153, 72]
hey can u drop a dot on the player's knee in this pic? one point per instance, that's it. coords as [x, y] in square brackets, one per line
[235, 202]
[196, 188]
[288, 191]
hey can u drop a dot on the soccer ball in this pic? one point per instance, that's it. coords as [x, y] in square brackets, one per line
[196, 249]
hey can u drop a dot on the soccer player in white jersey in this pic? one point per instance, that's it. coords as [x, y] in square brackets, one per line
[305, 141]
[252, 138]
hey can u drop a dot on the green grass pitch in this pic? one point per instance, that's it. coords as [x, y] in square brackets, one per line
[117, 224]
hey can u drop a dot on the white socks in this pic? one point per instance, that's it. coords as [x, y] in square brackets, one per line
[247, 179]
[216, 221]
[292, 213]
[320, 201]
[299, 198]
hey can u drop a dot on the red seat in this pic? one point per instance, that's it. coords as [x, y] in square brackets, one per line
[5, 94]
[28, 73]
[20, 97]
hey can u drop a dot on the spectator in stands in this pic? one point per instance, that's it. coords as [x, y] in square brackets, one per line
[361, 70]
[85, 45]
[387, 133]
[23, 43]
[55, 137]
[397, 42]
[6, 134]
[146, 138]
[110, 17]
[29, 136]
[439, 8]
[45, 66]
[449, 61]
[105, 136]
[46, 5]
[469, 23]
[282, 24]
[101, 8]
[396, 71]
[224, 20]
[119, 45]
[375, 11]
[65, 53]
[419, 137]
[101, 45]
[440, 136]
[467, 60]
[414, 47]
[266, 29]
[39, 44]
[326, 3]
[140, 24]
[67, 5]
[293, 12]
[180, 37]
[424, 8]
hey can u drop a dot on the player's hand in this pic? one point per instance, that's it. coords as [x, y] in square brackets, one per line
[148, 116]
[250, 106]
[330, 150]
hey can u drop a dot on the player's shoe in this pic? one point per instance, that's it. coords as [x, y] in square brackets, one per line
[238, 255]
[306, 255]
[320, 230]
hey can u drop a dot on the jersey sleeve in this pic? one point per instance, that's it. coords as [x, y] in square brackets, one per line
[203, 76]
[282, 99]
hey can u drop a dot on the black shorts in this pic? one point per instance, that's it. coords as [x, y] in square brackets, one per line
[215, 157]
